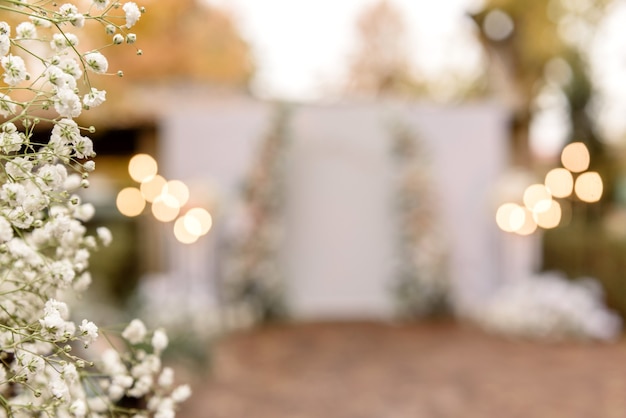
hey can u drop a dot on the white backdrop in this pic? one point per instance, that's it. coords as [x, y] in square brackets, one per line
[340, 235]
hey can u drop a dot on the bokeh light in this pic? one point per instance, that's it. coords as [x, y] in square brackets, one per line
[588, 187]
[510, 217]
[165, 208]
[498, 25]
[142, 167]
[575, 157]
[152, 188]
[178, 190]
[550, 218]
[130, 202]
[537, 198]
[182, 234]
[201, 217]
[529, 226]
[559, 182]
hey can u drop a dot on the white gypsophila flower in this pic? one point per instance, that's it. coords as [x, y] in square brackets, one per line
[63, 41]
[94, 98]
[159, 341]
[132, 13]
[5, 44]
[89, 332]
[11, 139]
[85, 212]
[58, 387]
[105, 237]
[70, 12]
[71, 67]
[101, 4]
[26, 30]
[6, 231]
[69, 372]
[51, 176]
[166, 378]
[96, 62]
[135, 332]
[181, 393]
[67, 103]
[7, 106]
[5, 28]
[18, 168]
[78, 408]
[59, 78]
[63, 270]
[83, 147]
[14, 69]
[82, 282]
[89, 165]
[118, 39]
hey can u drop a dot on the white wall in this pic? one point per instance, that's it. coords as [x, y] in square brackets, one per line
[340, 237]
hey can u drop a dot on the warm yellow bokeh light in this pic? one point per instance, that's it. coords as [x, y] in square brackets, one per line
[510, 217]
[550, 218]
[192, 225]
[529, 226]
[181, 233]
[202, 217]
[165, 208]
[142, 167]
[588, 187]
[560, 182]
[130, 202]
[537, 198]
[575, 157]
[178, 189]
[152, 188]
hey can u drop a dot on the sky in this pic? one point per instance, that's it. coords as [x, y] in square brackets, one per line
[302, 48]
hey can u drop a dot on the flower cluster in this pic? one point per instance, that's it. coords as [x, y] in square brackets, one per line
[550, 306]
[44, 245]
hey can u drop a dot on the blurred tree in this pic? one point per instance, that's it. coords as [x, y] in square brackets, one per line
[182, 42]
[521, 38]
[380, 64]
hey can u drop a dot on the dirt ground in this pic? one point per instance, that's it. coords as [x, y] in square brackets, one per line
[426, 370]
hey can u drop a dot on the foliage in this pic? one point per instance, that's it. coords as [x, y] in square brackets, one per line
[254, 283]
[49, 74]
[420, 285]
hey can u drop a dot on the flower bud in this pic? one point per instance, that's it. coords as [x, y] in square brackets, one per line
[118, 39]
[131, 38]
[110, 29]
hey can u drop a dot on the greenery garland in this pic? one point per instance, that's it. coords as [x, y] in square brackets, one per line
[421, 281]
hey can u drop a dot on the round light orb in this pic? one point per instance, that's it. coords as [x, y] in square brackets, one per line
[537, 198]
[165, 208]
[588, 187]
[575, 157]
[141, 167]
[179, 190]
[152, 188]
[510, 217]
[202, 217]
[498, 25]
[550, 218]
[529, 226]
[560, 182]
[182, 234]
[130, 202]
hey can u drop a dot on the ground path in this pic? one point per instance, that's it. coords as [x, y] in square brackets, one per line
[426, 370]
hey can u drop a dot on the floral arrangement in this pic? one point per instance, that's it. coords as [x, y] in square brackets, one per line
[254, 285]
[550, 306]
[46, 366]
[421, 282]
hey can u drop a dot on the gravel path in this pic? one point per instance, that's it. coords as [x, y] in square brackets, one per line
[427, 370]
